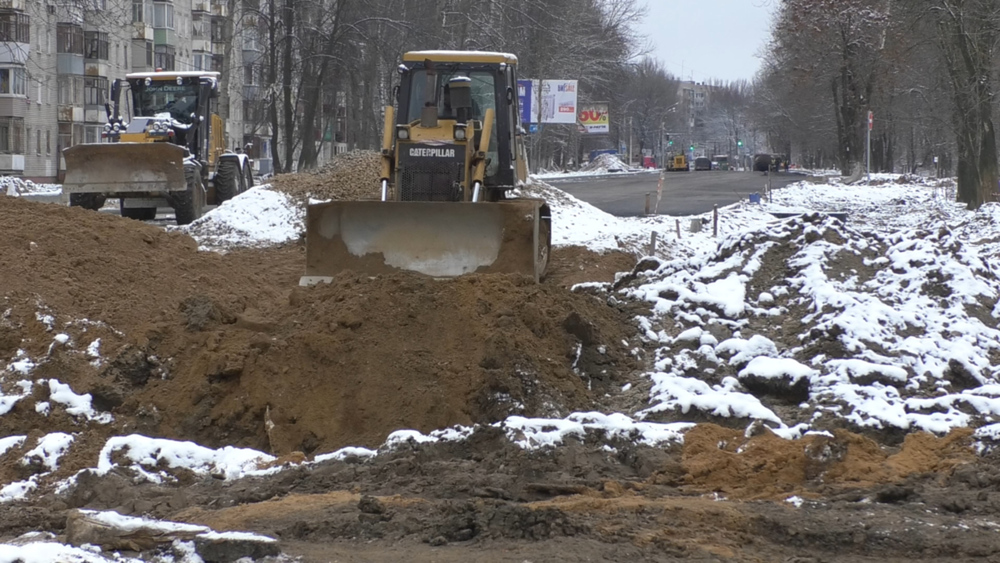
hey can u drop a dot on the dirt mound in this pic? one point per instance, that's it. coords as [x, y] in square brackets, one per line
[349, 176]
[227, 350]
[350, 362]
[571, 265]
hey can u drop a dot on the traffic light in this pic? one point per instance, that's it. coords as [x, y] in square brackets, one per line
[670, 143]
[739, 143]
[692, 148]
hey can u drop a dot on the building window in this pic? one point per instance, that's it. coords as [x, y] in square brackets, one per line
[11, 132]
[12, 81]
[94, 90]
[142, 11]
[48, 141]
[96, 45]
[198, 25]
[38, 142]
[163, 15]
[15, 26]
[163, 58]
[65, 134]
[92, 135]
[70, 90]
[69, 39]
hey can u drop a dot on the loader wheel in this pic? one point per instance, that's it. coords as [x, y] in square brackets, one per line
[227, 183]
[137, 213]
[92, 202]
[189, 205]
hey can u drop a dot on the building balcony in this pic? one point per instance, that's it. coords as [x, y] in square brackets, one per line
[142, 31]
[12, 164]
[201, 45]
[69, 63]
[201, 6]
[164, 36]
[12, 52]
[97, 67]
[13, 106]
[70, 113]
[19, 5]
[251, 54]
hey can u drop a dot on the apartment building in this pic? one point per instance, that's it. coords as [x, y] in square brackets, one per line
[59, 57]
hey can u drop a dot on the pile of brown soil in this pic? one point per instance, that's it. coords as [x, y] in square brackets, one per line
[349, 176]
[227, 350]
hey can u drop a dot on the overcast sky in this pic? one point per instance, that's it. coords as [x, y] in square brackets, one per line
[706, 39]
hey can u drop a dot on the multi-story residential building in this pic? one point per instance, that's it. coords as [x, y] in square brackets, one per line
[59, 57]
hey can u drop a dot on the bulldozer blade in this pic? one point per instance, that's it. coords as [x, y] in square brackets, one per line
[438, 239]
[109, 168]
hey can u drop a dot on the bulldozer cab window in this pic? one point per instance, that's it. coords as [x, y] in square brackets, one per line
[483, 98]
[483, 93]
[180, 101]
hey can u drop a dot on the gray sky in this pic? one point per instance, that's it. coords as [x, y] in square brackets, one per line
[707, 39]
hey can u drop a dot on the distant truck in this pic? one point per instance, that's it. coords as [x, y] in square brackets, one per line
[722, 161]
[763, 163]
[679, 163]
[702, 163]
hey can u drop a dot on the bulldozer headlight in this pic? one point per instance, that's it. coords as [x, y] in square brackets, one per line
[402, 133]
[116, 127]
[460, 132]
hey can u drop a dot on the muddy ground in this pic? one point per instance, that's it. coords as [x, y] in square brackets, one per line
[227, 350]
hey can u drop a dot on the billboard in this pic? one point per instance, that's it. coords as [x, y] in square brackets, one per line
[554, 101]
[524, 89]
[594, 119]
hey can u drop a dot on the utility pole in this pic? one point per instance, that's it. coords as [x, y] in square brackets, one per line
[868, 157]
[630, 141]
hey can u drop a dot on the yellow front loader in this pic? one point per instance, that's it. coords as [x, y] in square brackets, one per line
[167, 149]
[452, 150]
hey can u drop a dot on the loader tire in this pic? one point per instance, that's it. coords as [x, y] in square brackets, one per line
[92, 202]
[189, 205]
[137, 213]
[227, 181]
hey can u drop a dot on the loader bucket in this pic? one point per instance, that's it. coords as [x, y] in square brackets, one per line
[124, 167]
[439, 239]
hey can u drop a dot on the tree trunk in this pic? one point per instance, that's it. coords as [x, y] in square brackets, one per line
[288, 114]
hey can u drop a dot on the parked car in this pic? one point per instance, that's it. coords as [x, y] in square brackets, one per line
[702, 163]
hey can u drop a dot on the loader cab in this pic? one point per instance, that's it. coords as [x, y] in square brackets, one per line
[493, 81]
[174, 107]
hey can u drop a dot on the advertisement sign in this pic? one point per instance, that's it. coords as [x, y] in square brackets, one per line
[524, 90]
[554, 101]
[594, 118]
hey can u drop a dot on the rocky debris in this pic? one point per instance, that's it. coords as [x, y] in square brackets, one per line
[349, 176]
[113, 532]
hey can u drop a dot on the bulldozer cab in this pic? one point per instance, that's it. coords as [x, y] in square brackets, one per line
[427, 80]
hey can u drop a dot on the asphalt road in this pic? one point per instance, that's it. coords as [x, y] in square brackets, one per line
[684, 193]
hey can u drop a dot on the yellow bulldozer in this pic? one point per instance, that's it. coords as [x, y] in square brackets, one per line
[452, 152]
[168, 150]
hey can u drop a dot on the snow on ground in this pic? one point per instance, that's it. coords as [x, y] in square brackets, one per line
[13, 186]
[603, 164]
[258, 217]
